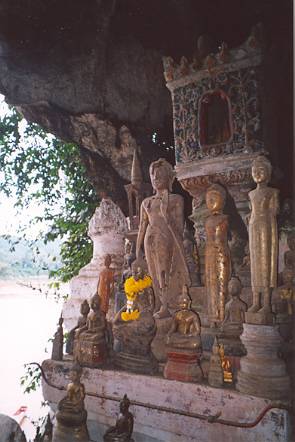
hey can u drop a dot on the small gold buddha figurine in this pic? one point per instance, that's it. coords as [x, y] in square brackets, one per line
[235, 309]
[90, 346]
[217, 254]
[84, 310]
[58, 342]
[105, 287]
[186, 326]
[122, 431]
[263, 237]
[71, 409]
[226, 366]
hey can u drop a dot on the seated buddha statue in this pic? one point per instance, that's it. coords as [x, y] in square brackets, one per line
[71, 409]
[90, 340]
[186, 326]
[123, 429]
[235, 310]
[84, 310]
[135, 335]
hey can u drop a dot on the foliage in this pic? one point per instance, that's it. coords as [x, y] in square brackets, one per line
[31, 379]
[36, 167]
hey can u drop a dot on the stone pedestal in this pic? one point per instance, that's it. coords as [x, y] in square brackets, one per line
[183, 365]
[262, 372]
[91, 354]
[107, 229]
[144, 364]
[62, 433]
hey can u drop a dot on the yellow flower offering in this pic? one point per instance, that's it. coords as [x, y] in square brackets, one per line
[132, 287]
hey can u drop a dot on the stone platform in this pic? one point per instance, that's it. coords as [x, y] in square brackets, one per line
[154, 425]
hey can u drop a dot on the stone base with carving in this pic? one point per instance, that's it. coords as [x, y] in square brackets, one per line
[144, 364]
[262, 372]
[91, 354]
[183, 365]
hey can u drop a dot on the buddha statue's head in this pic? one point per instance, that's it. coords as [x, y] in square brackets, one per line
[288, 276]
[234, 287]
[95, 303]
[124, 404]
[261, 170]
[215, 198]
[162, 175]
[108, 260]
[75, 372]
[84, 308]
[138, 269]
[185, 299]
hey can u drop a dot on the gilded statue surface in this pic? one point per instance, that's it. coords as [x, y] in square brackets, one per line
[263, 236]
[185, 329]
[217, 254]
[161, 231]
[71, 409]
[123, 429]
[105, 287]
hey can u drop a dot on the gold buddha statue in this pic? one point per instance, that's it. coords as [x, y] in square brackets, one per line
[185, 329]
[71, 409]
[217, 254]
[263, 237]
[226, 366]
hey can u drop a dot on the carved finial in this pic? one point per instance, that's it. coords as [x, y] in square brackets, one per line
[136, 174]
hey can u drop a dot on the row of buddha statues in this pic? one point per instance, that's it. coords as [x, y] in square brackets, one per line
[165, 304]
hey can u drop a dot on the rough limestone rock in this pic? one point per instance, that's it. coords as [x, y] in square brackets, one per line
[83, 69]
[10, 430]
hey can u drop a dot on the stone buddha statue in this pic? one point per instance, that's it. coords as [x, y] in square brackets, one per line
[58, 342]
[90, 346]
[263, 240]
[161, 230]
[217, 254]
[123, 429]
[235, 310]
[105, 287]
[71, 412]
[186, 326]
[84, 310]
[135, 336]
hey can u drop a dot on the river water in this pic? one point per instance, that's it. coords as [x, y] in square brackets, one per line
[28, 319]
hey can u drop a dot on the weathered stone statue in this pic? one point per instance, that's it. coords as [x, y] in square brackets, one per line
[184, 346]
[235, 310]
[90, 346]
[84, 310]
[58, 342]
[105, 286]
[217, 254]
[289, 256]
[215, 374]
[283, 304]
[122, 431]
[71, 415]
[161, 230]
[135, 336]
[263, 240]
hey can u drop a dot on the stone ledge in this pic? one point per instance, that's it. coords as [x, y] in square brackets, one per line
[188, 397]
